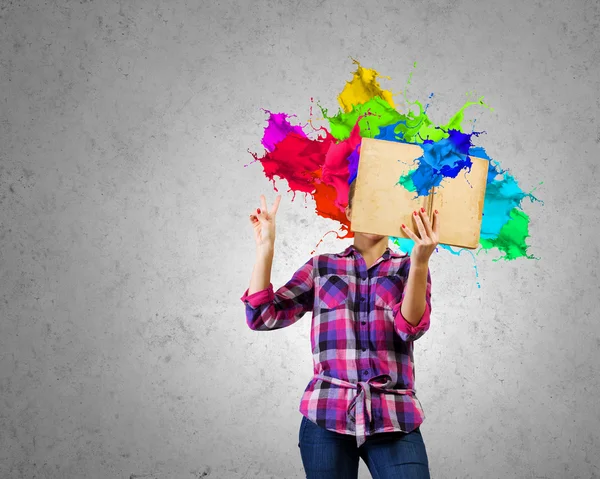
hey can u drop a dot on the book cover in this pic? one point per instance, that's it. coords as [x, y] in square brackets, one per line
[381, 204]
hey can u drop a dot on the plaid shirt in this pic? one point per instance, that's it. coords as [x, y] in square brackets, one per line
[362, 346]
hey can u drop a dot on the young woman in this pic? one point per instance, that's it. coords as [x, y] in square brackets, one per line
[369, 305]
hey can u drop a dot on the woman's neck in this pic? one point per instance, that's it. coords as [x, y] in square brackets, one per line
[370, 248]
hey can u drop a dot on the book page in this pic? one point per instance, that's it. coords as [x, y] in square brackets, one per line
[381, 205]
[459, 202]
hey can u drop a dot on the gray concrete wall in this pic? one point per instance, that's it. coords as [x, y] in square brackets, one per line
[125, 243]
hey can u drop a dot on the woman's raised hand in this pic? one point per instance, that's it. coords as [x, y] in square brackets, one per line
[427, 239]
[263, 222]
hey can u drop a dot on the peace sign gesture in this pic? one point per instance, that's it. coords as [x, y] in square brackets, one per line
[263, 221]
[428, 238]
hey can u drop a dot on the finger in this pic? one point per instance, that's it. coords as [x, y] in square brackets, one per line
[263, 204]
[261, 216]
[276, 205]
[436, 224]
[420, 227]
[426, 222]
[409, 233]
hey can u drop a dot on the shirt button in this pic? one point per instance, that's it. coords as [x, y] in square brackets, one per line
[364, 349]
[362, 298]
[363, 322]
[365, 372]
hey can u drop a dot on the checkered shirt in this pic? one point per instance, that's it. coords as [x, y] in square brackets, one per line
[362, 346]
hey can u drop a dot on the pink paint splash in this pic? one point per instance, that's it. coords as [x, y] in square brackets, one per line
[278, 128]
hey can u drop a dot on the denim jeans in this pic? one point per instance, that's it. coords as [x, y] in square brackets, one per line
[329, 455]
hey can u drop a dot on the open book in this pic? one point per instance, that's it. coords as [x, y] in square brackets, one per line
[381, 204]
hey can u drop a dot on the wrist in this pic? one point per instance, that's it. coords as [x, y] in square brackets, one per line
[265, 252]
[419, 266]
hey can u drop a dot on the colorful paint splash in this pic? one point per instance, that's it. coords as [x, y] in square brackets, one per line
[321, 162]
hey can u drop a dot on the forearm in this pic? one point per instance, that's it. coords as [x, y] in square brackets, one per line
[267, 309]
[414, 302]
[261, 273]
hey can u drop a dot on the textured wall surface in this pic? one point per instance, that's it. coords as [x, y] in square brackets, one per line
[125, 241]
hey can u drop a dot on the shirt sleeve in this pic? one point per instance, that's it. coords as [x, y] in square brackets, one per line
[405, 330]
[269, 310]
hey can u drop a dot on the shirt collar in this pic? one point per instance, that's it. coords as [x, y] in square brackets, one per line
[387, 254]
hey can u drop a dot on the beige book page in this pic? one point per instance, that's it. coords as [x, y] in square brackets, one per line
[459, 202]
[380, 204]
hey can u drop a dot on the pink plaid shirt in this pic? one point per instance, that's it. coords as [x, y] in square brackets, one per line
[362, 346]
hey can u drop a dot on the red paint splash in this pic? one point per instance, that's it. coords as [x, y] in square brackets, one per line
[318, 167]
[335, 233]
[298, 160]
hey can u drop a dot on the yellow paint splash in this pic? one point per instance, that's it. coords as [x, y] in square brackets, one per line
[363, 87]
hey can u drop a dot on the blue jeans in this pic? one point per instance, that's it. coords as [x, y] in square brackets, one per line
[329, 455]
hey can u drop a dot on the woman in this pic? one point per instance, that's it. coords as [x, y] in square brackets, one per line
[369, 305]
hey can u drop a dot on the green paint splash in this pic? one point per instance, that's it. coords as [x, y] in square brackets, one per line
[512, 237]
[375, 113]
